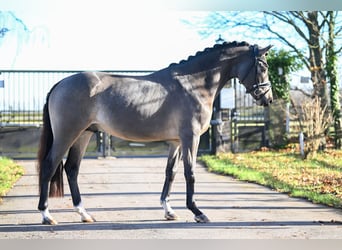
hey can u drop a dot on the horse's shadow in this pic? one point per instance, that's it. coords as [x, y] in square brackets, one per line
[159, 224]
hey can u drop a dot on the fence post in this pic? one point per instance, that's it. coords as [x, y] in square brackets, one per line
[103, 144]
[301, 143]
[266, 137]
[2, 81]
[234, 131]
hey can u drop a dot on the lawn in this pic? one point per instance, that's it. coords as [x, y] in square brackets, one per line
[10, 172]
[318, 180]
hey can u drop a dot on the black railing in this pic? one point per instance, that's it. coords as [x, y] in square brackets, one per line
[23, 93]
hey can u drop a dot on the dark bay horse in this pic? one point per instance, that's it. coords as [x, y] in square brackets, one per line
[173, 104]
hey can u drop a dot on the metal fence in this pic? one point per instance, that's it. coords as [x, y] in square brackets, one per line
[249, 122]
[23, 94]
[22, 97]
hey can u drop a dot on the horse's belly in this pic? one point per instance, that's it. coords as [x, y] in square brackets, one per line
[134, 128]
[140, 135]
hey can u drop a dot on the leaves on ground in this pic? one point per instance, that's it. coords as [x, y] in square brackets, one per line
[318, 179]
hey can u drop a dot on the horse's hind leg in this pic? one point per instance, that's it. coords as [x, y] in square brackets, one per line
[170, 172]
[50, 165]
[72, 166]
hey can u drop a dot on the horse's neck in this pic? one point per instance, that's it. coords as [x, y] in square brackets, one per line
[203, 86]
[205, 76]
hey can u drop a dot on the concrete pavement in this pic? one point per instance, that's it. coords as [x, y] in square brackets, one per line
[123, 195]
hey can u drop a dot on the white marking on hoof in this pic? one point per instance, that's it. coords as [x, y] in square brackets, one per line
[47, 218]
[169, 216]
[88, 219]
[85, 217]
[169, 213]
[201, 218]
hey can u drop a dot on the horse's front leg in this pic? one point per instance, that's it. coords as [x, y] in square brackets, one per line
[170, 172]
[190, 148]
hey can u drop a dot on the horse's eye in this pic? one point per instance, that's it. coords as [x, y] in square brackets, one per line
[262, 67]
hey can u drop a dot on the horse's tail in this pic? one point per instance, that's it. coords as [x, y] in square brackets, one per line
[46, 139]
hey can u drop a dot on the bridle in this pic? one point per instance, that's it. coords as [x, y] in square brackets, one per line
[255, 89]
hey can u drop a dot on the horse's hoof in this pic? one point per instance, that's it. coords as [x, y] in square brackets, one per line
[201, 218]
[88, 219]
[49, 221]
[171, 216]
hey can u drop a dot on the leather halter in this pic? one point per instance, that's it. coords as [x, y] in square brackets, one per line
[255, 89]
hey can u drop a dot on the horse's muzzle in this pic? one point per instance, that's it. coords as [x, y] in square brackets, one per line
[266, 100]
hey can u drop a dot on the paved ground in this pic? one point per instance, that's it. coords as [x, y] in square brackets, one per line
[123, 195]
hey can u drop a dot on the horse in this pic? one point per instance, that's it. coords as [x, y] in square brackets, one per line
[174, 105]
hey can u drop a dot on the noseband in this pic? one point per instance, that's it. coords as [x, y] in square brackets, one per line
[255, 89]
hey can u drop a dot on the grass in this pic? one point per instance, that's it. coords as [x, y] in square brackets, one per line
[318, 179]
[10, 172]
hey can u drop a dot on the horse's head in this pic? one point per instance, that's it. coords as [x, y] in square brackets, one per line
[253, 74]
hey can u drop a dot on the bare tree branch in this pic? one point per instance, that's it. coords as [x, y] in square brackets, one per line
[288, 43]
[280, 16]
[302, 91]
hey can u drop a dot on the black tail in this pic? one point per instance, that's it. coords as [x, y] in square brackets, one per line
[46, 139]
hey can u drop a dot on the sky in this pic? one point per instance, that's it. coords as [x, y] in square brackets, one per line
[104, 34]
[98, 34]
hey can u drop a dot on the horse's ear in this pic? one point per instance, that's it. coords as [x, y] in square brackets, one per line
[263, 51]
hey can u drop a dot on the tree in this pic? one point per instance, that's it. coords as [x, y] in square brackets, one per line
[309, 26]
[281, 64]
[311, 35]
[331, 69]
[14, 33]
[319, 32]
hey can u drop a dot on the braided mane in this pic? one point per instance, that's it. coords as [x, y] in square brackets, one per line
[210, 49]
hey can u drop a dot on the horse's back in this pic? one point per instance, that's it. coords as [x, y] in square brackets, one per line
[130, 107]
